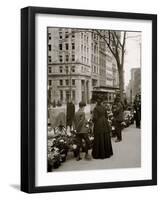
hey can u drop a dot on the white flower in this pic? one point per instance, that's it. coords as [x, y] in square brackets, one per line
[69, 134]
[74, 146]
[91, 138]
[56, 149]
[123, 123]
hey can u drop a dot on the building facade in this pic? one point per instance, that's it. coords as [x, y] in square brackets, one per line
[134, 86]
[78, 61]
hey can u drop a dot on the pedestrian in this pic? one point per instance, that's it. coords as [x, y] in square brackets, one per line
[137, 109]
[102, 147]
[118, 117]
[80, 125]
[70, 114]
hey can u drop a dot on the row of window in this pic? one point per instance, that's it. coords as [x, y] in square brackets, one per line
[66, 35]
[66, 45]
[94, 48]
[61, 58]
[85, 49]
[61, 46]
[63, 36]
[63, 82]
[66, 58]
[84, 36]
[95, 69]
[85, 60]
[68, 69]
[67, 95]
[94, 59]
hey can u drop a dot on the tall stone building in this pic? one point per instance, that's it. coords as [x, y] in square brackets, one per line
[78, 61]
[134, 86]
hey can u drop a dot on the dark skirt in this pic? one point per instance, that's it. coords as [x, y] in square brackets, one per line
[102, 147]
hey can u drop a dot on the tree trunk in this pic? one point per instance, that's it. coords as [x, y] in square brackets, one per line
[121, 81]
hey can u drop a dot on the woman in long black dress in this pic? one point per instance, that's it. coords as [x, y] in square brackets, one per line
[102, 147]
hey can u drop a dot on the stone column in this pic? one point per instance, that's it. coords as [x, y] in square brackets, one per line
[78, 91]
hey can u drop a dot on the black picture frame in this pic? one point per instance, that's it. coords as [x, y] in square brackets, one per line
[28, 98]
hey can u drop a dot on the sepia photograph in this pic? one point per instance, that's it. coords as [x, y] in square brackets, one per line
[89, 99]
[93, 99]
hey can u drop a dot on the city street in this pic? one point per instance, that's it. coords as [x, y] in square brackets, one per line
[127, 154]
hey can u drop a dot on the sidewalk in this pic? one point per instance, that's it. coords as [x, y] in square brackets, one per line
[127, 154]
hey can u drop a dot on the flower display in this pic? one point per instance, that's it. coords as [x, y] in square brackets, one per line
[60, 143]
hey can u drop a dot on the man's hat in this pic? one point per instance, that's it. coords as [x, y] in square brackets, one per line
[82, 104]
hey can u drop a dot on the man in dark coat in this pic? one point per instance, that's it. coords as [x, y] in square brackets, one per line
[70, 114]
[137, 108]
[80, 125]
[118, 117]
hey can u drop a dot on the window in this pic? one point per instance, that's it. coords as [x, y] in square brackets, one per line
[92, 35]
[49, 47]
[49, 59]
[66, 34]
[61, 58]
[67, 95]
[61, 82]
[73, 57]
[61, 95]
[60, 35]
[73, 34]
[60, 69]
[73, 82]
[66, 46]
[73, 95]
[73, 46]
[73, 69]
[49, 36]
[49, 70]
[92, 57]
[67, 82]
[67, 58]
[82, 48]
[94, 69]
[81, 35]
[60, 46]
[92, 46]
[82, 58]
[82, 68]
[66, 69]
[50, 82]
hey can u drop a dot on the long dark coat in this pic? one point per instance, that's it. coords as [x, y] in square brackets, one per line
[70, 113]
[102, 147]
[137, 108]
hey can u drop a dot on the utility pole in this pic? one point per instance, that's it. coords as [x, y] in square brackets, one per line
[70, 84]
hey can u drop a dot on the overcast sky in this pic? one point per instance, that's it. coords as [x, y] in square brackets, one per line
[132, 54]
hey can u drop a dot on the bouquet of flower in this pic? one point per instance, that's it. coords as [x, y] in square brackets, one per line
[53, 158]
[61, 143]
